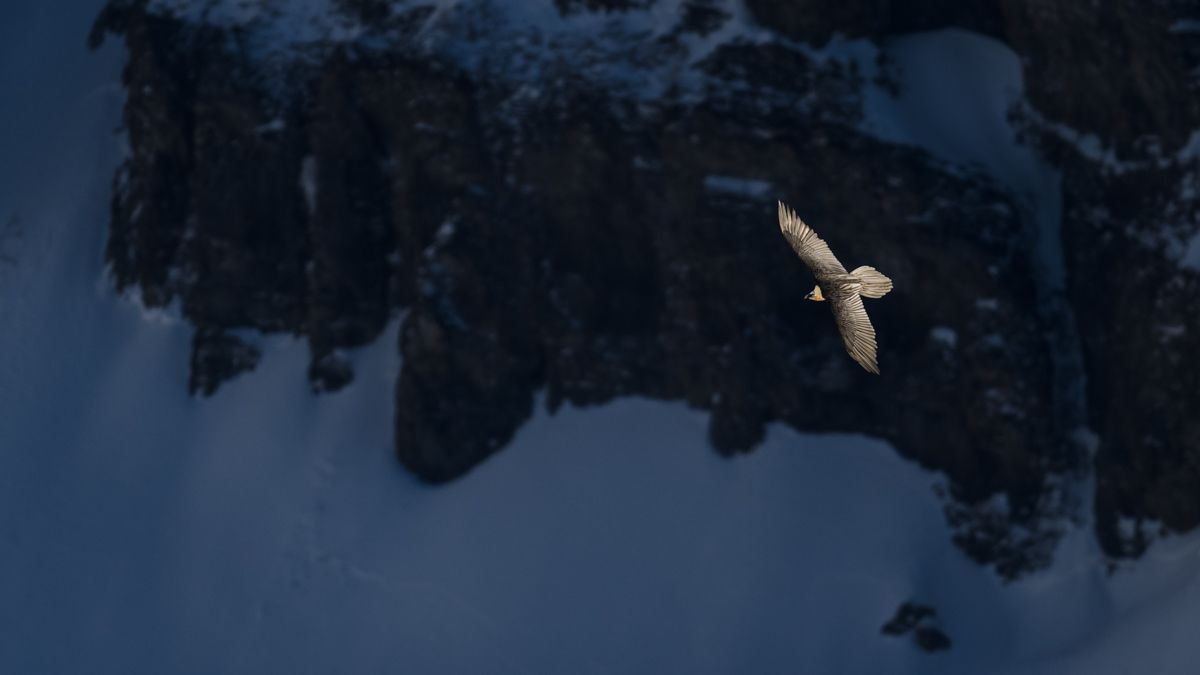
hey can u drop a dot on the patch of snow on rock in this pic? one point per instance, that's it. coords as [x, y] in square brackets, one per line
[1191, 255]
[944, 336]
[744, 187]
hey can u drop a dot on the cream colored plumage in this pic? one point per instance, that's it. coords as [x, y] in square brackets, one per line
[843, 290]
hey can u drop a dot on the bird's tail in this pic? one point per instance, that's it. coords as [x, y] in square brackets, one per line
[874, 284]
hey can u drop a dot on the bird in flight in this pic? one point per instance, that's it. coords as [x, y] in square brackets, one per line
[843, 290]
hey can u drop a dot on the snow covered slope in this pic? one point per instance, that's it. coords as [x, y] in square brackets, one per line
[270, 530]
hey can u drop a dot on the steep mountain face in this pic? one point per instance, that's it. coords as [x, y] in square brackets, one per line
[578, 200]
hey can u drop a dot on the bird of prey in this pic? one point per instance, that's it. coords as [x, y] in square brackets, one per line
[843, 290]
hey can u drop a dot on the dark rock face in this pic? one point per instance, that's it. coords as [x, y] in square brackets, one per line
[552, 234]
[816, 21]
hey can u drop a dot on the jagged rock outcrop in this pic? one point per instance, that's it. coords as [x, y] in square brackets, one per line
[921, 622]
[550, 233]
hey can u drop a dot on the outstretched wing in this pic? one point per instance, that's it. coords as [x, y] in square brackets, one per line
[855, 326]
[804, 241]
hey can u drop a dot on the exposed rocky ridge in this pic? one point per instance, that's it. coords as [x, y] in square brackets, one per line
[591, 244]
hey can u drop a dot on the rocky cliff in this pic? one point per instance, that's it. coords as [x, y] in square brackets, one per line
[575, 201]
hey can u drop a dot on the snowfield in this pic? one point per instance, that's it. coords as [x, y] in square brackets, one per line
[268, 529]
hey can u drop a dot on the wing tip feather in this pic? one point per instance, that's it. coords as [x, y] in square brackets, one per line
[788, 220]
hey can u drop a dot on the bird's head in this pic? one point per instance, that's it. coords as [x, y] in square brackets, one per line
[815, 295]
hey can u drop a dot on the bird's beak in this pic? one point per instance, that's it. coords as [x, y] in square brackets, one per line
[809, 296]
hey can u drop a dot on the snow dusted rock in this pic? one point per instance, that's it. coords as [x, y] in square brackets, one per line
[1122, 126]
[578, 198]
[1127, 232]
